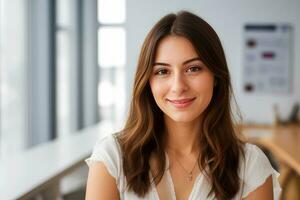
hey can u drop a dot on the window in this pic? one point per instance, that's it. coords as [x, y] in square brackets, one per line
[13, 76]
[64, 33]
[76, 60]
[111, 61]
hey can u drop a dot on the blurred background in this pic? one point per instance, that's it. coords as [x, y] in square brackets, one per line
[68, 65]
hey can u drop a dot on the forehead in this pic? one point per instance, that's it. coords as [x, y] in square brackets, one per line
[173, 49]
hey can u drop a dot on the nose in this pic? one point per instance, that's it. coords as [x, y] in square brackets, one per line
[179, 84]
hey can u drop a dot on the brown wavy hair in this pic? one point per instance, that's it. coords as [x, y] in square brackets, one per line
[220, 147]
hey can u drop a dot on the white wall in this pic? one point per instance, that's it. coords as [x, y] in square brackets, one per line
[227, 18]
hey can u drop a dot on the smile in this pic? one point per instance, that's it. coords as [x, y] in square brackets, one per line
[182, 103]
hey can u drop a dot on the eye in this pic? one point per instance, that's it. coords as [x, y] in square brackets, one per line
[161, 72]
[193, 69]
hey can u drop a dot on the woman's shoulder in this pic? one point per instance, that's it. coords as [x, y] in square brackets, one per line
[255, 169]
[107, 150]
[251, 149]
[108, 142]
[254, 153]
[254, 158]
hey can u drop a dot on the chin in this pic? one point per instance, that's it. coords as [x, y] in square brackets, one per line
[182, 118]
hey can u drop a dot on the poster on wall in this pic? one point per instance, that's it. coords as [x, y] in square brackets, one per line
[267, 66]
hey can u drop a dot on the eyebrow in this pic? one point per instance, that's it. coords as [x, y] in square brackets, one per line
[184, 63]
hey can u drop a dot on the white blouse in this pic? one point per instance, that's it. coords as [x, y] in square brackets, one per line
[253, 172]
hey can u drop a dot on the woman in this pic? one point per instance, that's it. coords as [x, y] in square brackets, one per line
[179, 141]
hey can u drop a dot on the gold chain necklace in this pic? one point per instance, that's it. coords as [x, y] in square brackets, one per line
[189, 173]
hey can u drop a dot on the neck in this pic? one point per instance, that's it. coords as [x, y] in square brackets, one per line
[182, 137]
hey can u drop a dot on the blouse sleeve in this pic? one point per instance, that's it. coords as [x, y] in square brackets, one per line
[107, 151]
[257, 169]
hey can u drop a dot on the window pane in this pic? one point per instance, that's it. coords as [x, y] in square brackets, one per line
[111, 47]
[63, 8]
[120, 90]
[111, 11]
[106, 91]
[111, 93]
[63, 82]
[13, 76]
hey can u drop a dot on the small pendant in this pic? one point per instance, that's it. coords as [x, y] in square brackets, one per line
[190, 177]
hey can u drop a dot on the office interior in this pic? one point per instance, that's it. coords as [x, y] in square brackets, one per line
[66, 75]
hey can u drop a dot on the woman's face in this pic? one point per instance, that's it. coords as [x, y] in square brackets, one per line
[181, 84]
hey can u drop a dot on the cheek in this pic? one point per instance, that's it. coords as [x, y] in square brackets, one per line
[156, 87]
[205, 84]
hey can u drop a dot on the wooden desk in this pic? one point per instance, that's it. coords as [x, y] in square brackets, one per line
[284, 144]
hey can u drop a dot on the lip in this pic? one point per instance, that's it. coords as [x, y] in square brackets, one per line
[181, 103]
